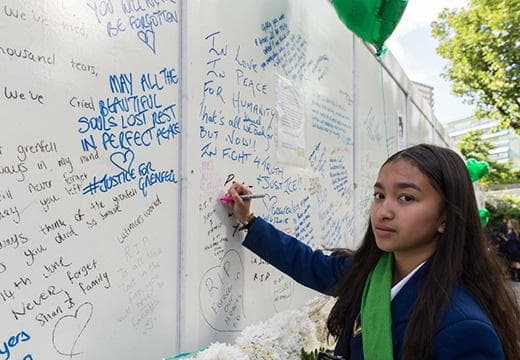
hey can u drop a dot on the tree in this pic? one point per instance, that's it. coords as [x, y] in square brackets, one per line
[471, 145]
[501, 207]
[481, 44]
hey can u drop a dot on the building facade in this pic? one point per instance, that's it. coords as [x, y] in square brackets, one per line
[506, 143]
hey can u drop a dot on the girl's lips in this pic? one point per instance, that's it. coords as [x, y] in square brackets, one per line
[385, 228]
[384, 231]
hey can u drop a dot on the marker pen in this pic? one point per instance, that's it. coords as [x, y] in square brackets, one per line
[243, 197]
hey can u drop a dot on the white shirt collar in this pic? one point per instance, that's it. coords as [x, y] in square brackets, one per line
[397, 287]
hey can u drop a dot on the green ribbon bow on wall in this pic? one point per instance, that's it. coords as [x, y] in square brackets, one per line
[371, 20]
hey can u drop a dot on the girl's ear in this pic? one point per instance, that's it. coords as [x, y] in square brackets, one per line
[442, 226]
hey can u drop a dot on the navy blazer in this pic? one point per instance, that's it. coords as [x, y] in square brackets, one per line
[465, 331]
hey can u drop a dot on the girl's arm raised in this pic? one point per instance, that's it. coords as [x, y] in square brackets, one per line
[311, 268]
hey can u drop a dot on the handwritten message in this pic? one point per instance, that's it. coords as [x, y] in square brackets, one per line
[144, 18]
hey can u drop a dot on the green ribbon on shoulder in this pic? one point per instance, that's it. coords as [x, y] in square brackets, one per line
[376, 314]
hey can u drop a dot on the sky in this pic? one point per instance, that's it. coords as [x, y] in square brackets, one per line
[413, 46]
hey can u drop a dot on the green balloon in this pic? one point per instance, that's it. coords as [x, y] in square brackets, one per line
[484, 216]
[371, 20]
[477, 169]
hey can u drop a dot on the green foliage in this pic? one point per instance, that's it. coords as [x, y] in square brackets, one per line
[313, 355]
[504, 206]
[471, 145]
[480, 43]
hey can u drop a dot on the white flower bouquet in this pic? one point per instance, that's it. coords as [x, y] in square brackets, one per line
[282, 337]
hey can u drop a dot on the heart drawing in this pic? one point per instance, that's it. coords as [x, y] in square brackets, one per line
[221, 294]
[69, 328]
[270, 202]
[148, 37]
[123, 160]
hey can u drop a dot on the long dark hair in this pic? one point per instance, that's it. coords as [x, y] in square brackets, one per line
[462, 256]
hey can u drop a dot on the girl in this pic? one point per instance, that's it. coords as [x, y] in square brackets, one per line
[512, 249]
[512, 230]
[422, 284]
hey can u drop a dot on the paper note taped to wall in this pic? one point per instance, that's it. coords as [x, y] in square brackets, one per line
[291, 123]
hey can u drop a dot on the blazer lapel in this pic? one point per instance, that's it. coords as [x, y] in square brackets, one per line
[405, 299]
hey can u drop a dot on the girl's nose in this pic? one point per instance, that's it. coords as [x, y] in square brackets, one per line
[385, 210]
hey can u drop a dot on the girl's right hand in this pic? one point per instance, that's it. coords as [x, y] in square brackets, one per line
[241, 208]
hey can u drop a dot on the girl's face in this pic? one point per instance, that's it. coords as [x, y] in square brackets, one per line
[406, 213]
[510, 224]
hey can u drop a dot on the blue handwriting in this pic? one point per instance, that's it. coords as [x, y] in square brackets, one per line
[235, 139]
[150, 177]
[242, 105]
[239, 156]
[12, 342]
[303, 227]
[265, 165]
[143, 17]
[339, 176]
[212, 85]
[287, 186]
[254, 86]
[317, 158]
[331, 118]
[146, 174]
[245, 64]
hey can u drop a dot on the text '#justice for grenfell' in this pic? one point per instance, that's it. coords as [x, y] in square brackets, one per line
[132, 117]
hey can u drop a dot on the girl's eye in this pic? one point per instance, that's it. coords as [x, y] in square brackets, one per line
[406, 198]
[378, 196]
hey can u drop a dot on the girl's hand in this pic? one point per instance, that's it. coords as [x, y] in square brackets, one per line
[241, 208]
